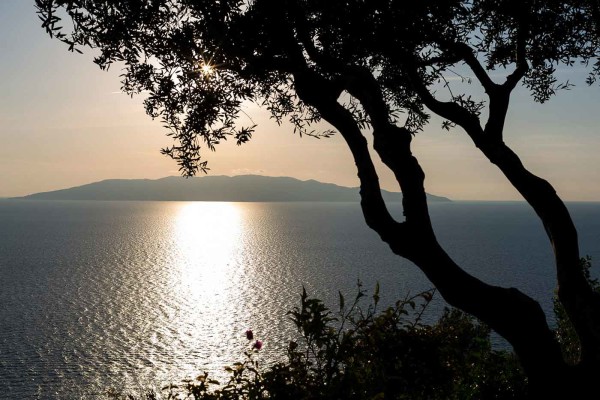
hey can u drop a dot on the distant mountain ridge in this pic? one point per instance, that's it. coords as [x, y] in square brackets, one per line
[242, 188]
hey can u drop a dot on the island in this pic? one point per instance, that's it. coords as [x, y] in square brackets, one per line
[242, 188]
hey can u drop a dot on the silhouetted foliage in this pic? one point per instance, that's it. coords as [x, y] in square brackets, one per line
[375, 67]
[360, 353]
[251, 49]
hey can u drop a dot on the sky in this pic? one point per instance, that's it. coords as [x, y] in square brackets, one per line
[64, 123]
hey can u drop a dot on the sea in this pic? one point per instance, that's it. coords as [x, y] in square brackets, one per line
[131, 296]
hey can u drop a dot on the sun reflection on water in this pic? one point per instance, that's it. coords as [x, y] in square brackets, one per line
[207, 237]
[207, 246]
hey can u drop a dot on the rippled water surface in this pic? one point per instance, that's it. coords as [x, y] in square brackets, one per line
[133, 295]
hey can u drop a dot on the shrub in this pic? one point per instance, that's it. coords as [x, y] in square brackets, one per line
[361, 353]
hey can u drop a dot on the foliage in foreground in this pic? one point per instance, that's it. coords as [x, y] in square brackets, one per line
[360, 353]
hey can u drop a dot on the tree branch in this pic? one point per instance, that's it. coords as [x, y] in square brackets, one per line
[322, 94]
[448, 110]
[522, 66]
[499, 101]
[303, 36]
[466, 53]
[580, 301]
[511, 313]
[393, 146]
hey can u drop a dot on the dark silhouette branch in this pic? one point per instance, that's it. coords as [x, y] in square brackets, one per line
[499, 101]
[497, 94]
[467, 55]
[322, 94]
[581, 303]
[522, 66]
[449, 110]
[508, 311]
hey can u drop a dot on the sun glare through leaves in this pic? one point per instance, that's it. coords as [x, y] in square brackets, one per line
[207, 69]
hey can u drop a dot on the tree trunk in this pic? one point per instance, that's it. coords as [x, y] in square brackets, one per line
[581, 303]
[511, 313]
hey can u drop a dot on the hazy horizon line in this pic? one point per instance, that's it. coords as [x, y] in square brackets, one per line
[21, 196]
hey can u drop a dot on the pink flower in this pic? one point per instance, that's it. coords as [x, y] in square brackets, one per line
[258, 345]
[249, 334]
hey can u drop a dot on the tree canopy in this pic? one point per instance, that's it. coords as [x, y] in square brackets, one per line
[375, 67]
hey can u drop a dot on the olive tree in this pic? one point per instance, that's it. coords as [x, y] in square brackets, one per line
[370, 67]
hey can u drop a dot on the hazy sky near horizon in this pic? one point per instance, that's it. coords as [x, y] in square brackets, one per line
[64, 122]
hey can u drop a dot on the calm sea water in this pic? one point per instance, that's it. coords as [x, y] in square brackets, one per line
[134, 295]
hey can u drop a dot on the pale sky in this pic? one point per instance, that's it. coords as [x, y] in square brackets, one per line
[64, 123]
